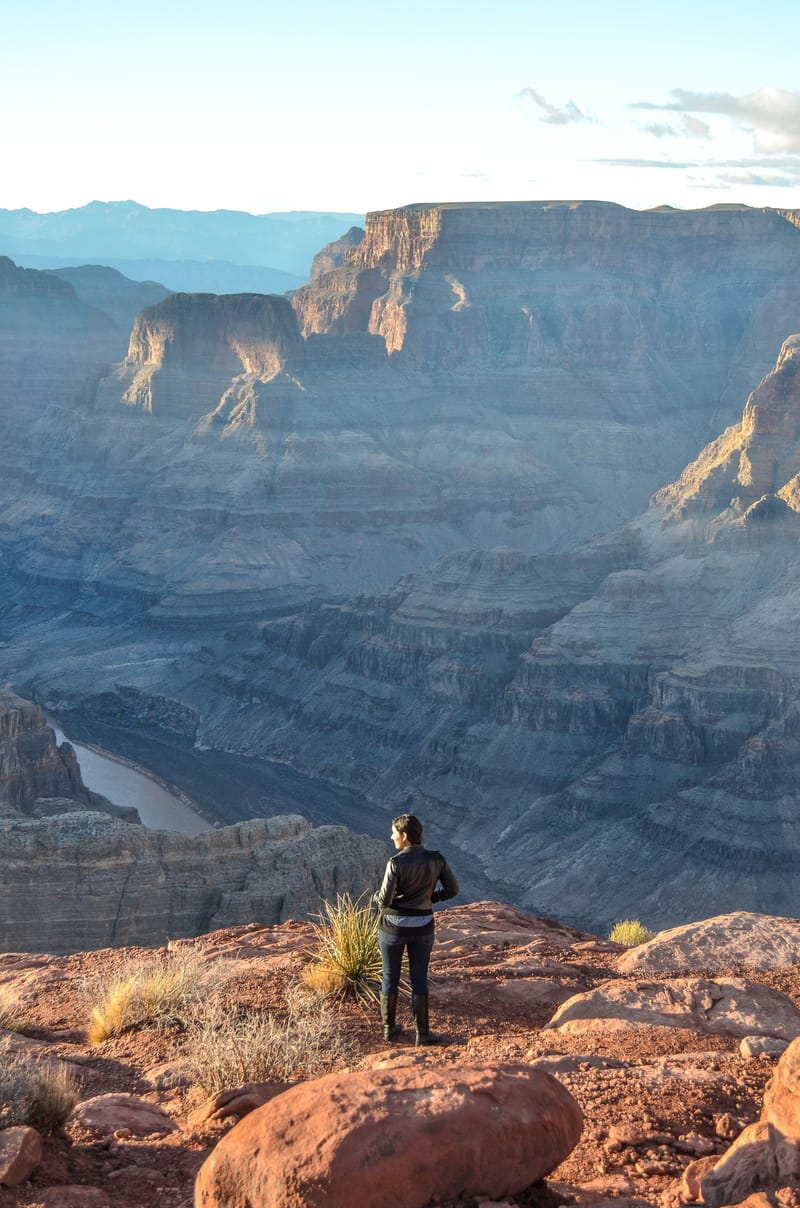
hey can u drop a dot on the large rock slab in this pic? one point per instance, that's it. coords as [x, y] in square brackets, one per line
[765, 1156]
[761, 941]
[20, 1154]
[103, 1115]
[760, 1159]
[395, 1138]
[735, 1006]
[782, 1095]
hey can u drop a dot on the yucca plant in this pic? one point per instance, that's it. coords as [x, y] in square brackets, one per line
[345, 957]
[630, 932]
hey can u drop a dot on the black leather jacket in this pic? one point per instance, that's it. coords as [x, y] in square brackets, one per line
[409, 883]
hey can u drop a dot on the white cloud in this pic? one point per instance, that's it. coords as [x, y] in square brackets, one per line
[690, 127]
[778, 173]
[553, 114]
[694, 128]
[772, 115]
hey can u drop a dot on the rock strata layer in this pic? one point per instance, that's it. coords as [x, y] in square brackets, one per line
[86, 881]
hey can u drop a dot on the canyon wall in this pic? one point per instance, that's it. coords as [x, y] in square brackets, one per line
[79, 872]
[86, 881]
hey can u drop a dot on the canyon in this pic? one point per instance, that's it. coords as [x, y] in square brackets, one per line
[496, 517]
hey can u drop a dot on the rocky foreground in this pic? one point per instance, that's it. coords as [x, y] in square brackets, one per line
[628, 1076]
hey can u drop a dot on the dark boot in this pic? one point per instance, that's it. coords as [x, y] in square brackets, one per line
[419, 1007]
[391, 1030]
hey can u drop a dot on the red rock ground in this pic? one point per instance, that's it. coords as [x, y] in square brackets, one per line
[498, 976]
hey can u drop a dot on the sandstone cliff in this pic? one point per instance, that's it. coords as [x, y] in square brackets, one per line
[38, 778]
[87, 881]
[80, 872]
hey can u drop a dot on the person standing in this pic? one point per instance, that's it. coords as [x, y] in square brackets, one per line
[405, 900]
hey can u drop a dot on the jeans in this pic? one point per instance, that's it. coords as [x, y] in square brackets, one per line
[419, 954]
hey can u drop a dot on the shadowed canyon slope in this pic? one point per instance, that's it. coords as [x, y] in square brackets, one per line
[439, 428]
[614, 729]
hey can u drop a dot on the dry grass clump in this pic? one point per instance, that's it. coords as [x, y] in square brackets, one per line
[156, 990]
[10, 1020]
[630, 932]
[226, 1048]
[345, 957]
[34, 1094]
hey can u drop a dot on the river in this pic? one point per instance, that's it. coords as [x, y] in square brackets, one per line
[124, 784]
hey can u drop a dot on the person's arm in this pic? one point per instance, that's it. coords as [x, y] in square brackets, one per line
[448, 882]
[385, 895]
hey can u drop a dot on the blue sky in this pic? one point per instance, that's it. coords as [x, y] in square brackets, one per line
[262, 105]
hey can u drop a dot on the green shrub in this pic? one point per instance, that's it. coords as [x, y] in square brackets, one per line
[33, 1093]
[345, 957]
[226, 1048]
[158, 989]
[630, 932]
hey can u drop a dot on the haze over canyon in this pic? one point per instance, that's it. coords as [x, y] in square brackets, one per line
[496, 517]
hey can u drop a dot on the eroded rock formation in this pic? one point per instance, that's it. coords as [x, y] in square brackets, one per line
[39, 778]
[614, 730]
[523, 374]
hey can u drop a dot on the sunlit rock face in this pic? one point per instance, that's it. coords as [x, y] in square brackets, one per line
[518, 375]
[752, 468]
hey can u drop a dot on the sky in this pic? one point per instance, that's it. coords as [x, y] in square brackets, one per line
[275, 105]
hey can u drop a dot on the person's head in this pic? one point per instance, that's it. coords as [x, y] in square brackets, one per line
[406, 829]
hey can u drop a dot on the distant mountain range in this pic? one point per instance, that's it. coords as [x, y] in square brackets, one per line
[224, 251]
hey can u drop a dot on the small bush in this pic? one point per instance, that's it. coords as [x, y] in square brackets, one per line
[157, 990]
[630, 932]
[345, 957]
[225, 1048]
[9, 1010]
[33, 1094]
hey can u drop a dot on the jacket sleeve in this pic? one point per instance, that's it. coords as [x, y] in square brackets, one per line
[385, 895]
[448, 882]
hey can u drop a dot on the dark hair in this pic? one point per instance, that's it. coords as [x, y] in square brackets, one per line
[407, 824]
